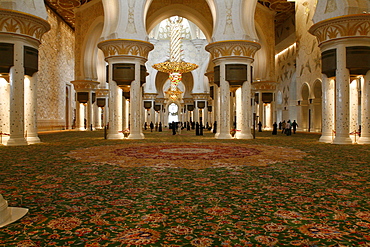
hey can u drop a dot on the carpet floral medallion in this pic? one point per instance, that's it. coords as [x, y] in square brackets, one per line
[191, 156]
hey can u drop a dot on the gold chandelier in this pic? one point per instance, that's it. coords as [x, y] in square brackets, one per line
[175, 67]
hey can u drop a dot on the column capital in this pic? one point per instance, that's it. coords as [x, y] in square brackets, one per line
[126, 47]
[200, 96]
[341, 27]
[150, 96]
[102, 93]
[85, 85]
[233, 49]
[15, 22]
[265, 86]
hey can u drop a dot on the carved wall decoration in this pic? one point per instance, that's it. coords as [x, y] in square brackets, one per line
[229, 29]
[56, 70]
[131, 19]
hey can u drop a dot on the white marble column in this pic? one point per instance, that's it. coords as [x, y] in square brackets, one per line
[246, 113]
[217, 110]
[89, 117]
[342, 99]
[196, 112]
[205, 113]
[115, 111]
[328, 102]
[31, 110]
[260, 109]
[97, 117]
[232, 109]
[224, 123]
[17, 129]
[136, 131]
[4, 110]
[353, 100]
[124, 114]
[365, 111]
[79, 120]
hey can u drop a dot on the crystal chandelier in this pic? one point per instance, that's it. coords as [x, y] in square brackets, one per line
[175, 67]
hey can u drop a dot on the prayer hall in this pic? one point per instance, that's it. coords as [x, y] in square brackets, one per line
[184, 123]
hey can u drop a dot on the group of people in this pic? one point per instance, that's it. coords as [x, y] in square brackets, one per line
[177, 127]
[285, 127]
[156, 126]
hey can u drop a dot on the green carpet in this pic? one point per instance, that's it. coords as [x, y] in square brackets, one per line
[313, 194]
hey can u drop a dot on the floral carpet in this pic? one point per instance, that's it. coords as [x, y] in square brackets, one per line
[82, 190]
[190, 156]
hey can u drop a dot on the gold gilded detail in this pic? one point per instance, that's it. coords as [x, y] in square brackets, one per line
[239, 48]
[82, 85]
[101, 93]
[116, 47]
[22, 23]
[340, 27]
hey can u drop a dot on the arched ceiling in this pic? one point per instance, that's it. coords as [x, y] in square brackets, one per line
[197, 11]
[161, 9]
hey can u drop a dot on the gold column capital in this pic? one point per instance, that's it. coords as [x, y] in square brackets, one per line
[85, 85]
[125, 47]
[341, 27]
[15, 22]
[233, 48]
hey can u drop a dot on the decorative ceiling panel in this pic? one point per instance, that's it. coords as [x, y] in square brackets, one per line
[65, 8]
[283, 8]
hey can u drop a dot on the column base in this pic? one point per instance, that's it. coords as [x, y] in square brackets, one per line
[326, 139]
[239, 135]
[10, 214]
[4, 140]
[138, 136]
[363, 140]
[115, 136]
[33, 139]
[342, 140]
[20, 141]
[224, 136]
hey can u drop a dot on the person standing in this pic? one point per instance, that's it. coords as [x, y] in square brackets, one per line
[259, 126]
[173, 127]
[151, 125]
[283, 125]
[274, 128]
[288, 128]
[294, 126]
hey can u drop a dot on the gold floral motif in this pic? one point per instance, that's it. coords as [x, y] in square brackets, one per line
[344, 26]
[240, 48]
[125, 47]
[22, 23]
